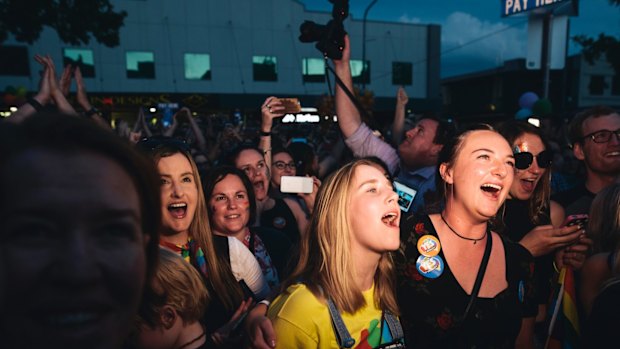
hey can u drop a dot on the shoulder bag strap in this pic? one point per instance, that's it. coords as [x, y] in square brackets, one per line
[480, 276]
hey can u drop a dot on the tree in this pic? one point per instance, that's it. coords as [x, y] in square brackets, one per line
[73, 20]
[593, 49]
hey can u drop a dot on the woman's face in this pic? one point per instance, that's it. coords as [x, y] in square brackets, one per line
[481, 175]
[283, 165]
[253, 164]
[526, 180]
[72, 251]
[230, 207]
[179, 193]
[374, 212]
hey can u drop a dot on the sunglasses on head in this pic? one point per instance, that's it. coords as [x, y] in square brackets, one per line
[524, 160]
[151, 144]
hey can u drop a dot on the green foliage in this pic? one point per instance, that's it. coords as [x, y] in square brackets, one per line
[593, 49]
[74, 20]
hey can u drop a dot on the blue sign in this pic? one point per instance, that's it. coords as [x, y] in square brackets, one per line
[513, 7]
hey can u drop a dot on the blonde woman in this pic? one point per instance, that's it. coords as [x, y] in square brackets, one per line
[345, 274]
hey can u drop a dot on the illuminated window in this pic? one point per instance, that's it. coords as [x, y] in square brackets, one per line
[197, 66]
[265, 68]
[14, 61]
[82, 58]
[313, 69]
[140, 65]
[402, 73]
[360, 74]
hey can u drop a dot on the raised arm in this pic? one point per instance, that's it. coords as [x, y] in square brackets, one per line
[399, 116]
[201, 141]
[83, 101]
[349, 118]
[271, 108]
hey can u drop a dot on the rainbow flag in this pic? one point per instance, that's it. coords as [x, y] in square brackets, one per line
[564, 324]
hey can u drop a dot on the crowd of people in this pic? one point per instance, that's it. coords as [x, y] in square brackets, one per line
[434, 235]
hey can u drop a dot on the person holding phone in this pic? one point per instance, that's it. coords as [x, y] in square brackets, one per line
[533, 220]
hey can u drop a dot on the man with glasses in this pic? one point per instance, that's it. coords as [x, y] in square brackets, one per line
[595, 137]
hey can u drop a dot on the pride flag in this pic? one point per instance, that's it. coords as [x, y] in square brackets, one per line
[564, 324]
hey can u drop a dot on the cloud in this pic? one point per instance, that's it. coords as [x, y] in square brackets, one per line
[406, 19]
[464, 35]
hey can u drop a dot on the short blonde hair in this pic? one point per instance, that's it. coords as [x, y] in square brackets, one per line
[177, 284]
[326, 262]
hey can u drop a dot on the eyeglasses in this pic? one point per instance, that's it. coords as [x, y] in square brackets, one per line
[151, 144]
[602, 136]
[524, 160]
[281, 165]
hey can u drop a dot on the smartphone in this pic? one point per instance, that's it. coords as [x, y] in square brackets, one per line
[291, 105]
[576, 219]
[296, 184]
[405, 196]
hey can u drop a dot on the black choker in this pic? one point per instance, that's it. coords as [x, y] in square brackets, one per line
[461, 236]
[193, 340]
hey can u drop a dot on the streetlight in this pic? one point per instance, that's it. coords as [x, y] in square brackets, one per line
[364, 43]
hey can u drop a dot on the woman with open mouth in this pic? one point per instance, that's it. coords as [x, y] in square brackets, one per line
[533, 220]
[225, 263]
[462, 285]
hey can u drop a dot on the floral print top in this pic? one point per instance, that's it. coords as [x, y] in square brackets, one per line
[432, 308]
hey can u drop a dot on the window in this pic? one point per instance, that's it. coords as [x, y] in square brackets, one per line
[360, 74]
[197, 66]
[615, 85]
[14, 61]
[402, 73]
[82, 58]
[140, 65]
[264, 68]
[313, 69]
[597, 85]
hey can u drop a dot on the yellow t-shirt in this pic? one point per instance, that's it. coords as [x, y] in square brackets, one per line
[300, 320]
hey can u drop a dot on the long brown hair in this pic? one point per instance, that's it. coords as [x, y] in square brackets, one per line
[220, 274]
[326, 263]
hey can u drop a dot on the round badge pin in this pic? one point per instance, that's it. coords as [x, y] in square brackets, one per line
[429, 246]
[430, 267]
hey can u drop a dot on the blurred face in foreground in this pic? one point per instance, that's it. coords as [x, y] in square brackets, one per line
[72, 251]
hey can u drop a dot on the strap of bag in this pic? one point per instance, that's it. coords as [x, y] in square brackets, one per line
[481, 270]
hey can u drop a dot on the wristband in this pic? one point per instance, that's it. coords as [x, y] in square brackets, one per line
[91, 111]
[265, 302]
[265, 134]
[35, 104]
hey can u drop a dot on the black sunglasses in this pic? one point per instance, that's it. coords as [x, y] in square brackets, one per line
[524, 160]
[151, 144]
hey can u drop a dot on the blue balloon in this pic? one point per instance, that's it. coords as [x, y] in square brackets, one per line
[527, 100]
[523, 113]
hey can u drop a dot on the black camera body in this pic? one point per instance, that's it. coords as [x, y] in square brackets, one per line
[329, 38]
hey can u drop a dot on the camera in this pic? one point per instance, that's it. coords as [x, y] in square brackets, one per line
[329, 38]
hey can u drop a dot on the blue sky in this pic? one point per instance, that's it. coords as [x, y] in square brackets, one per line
[465, 20]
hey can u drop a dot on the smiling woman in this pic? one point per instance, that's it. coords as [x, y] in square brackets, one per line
[454, 270]
[78, 243]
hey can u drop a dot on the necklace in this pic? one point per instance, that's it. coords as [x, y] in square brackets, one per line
[461, 236]
[193, 340]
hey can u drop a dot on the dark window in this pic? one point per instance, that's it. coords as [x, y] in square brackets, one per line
[82, 58]
[197, 66]
[265, 68]
[615, 85]
[313, 69]
[14, 61]
[597, 85]
[140, 65]
[402, 73]
[360, 74]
